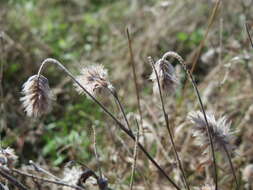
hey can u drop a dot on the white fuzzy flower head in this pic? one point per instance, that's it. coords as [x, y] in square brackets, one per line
[71, 176]
[94, 79]
[220, 131]
[166, 75]
[7, 157]
[37, 96]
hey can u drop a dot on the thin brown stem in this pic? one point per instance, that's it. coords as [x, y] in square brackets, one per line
[135, 75]
[95, 151]
[202, 43]
[208, 128]
[248, 32]
[135, 156]
[2, 105]
[121, 126]
[231, 165]
[168, 127]
[116, 97]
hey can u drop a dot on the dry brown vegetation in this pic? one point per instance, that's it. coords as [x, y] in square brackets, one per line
[81, 33]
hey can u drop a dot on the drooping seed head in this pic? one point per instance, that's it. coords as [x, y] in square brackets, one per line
[220, 131]
[166, 76]
[37, 96]
[94, 79]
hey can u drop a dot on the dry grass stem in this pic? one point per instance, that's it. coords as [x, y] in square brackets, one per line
[167, 123]
[95, 150]
[137, 88]
[135, 156]
[190, 76]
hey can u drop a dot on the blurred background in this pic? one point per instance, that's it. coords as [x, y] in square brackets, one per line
[81, 32]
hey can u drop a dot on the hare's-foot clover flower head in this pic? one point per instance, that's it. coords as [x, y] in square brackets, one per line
[166, 77]
[37, 96]
[220, 131]
[94, 79]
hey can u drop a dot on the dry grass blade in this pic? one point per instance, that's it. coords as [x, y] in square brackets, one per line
[248, 32]
[134, 74]
[95, 150]
[116, 97]
[2, 106]
[231, 166]
[202, 43]
[167, 125]
[121, 126]
[135, 155]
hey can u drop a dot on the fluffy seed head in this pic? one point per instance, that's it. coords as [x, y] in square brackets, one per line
[37, 96]
[166, 76]
[94, 79]
[71, 176]
[7, 157]
[220, 130]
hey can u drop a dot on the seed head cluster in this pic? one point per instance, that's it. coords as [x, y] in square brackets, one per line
[166, 76]
[37, 96]
[220, 130]
[94, 79]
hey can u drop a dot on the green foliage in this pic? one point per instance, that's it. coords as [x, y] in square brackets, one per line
[191, 40]
[70, 137]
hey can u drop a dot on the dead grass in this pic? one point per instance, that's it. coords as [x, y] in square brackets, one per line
[224, 81]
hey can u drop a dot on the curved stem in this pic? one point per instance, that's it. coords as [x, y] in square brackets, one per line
[181, 61]
[116, 97]
[121, 126]
[168, 127]
[231, 165]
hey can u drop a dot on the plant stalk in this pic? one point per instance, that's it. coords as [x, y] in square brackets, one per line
[121, 126]
[208, 129]
[231, 165]
[168, 127]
